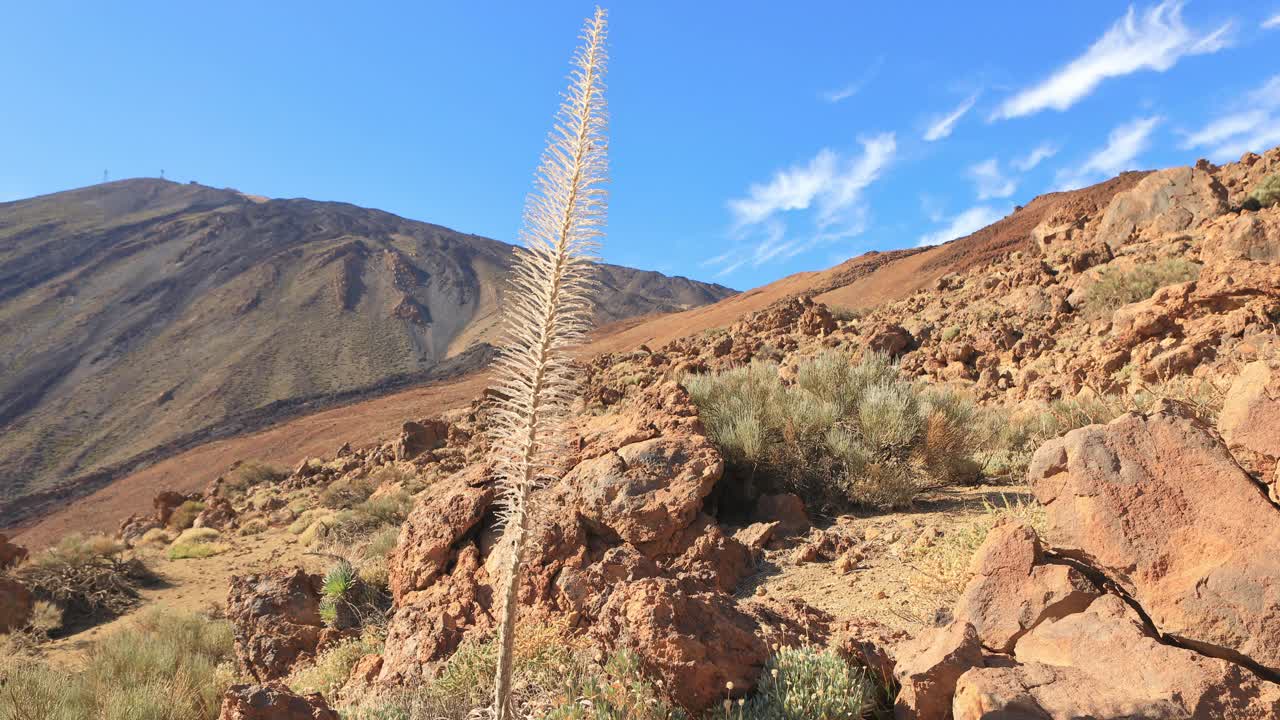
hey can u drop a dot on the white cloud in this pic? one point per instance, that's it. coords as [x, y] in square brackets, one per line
[941, 127]
[966, 223]
[1254, 125]
[1271, 23]
[844, 93]
[828, 189]
[991, 182]
[1154, 41]
[1039, 154]
[1124, 144]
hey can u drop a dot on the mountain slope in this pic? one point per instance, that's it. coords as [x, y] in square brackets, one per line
[143, 316]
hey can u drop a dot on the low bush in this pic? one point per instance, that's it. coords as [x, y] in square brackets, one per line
[1266, 194]
[843, 434]
[88, 577]
[618, 691]
[184, 516]
[804, 683]
[346, 493]
[197, 543]
[1115, 288]
[255, 526]
[251, 474]
[168, 667]
[332, 667]
[545, 661]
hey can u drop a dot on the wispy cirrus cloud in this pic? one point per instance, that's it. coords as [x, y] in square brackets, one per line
[827, 191]
[1272, 22]
[1252, 124]
[841, 94]
[991, 182]
[1124, 144]
[1038, 154]
[1155, 40]
[966, 223]
[941, 126]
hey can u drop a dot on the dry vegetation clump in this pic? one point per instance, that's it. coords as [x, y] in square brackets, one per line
[169, 667]
[1266, 194]
[346, 493]
[197, 543]
[331, 670]
[844, 433]
[1115, 287]
[945, 566]
[544, 656]
[184, 516]
[88, 577]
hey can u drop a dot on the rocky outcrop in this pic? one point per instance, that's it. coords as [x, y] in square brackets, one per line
[1157, 599]
[276, 621]
[10, 553]
[419, 437]
[273, 701]
[623, 551]
[1162, 202]
[1105, 663]
[1250, 421]
[1159, 506]
[16, 602]
[1015, 588]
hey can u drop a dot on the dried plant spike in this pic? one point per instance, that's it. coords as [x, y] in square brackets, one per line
[547, 311]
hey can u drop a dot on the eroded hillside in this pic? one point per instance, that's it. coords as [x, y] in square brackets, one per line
[142, 317]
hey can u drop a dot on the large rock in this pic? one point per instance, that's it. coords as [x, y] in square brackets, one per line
[928, 668]
[276, 621]
[1163, 202]
[1244, 260]
[620, 548]
[10, 554]
[1159, 506]
[16, 602]
[1250, 418]
[697, 642]
[419, 437]
[1104, 663]
[273, 701]
[1014, 589]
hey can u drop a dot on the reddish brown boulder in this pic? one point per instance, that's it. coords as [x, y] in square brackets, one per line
[10, 554]
[168, 501]
[1162, 202]
[419, 437]
[890, 339]
[869, 644]
[16, 602]
[135, 526]
[786, 509]
[693, 642]
[928, 668]
[1159, 506]
[276, 621]
[1014, 589]
[1104, 663]
[273, 701]
[217, 514]
[644, 489]
[434, 527]
[1250, 418]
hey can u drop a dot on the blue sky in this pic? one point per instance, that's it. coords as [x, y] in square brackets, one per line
[750, 140]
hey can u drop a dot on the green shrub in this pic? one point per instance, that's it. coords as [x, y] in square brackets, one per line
[1115, 288]
[333, 666]
[169, 667]
[1266, 194]
[184, 516]
[843, 434]
[346, 493]
[197, 543]
[951, 333]
[545, 659]
[87, 576]
[618, 691]
[338, 592]
[807, 683]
